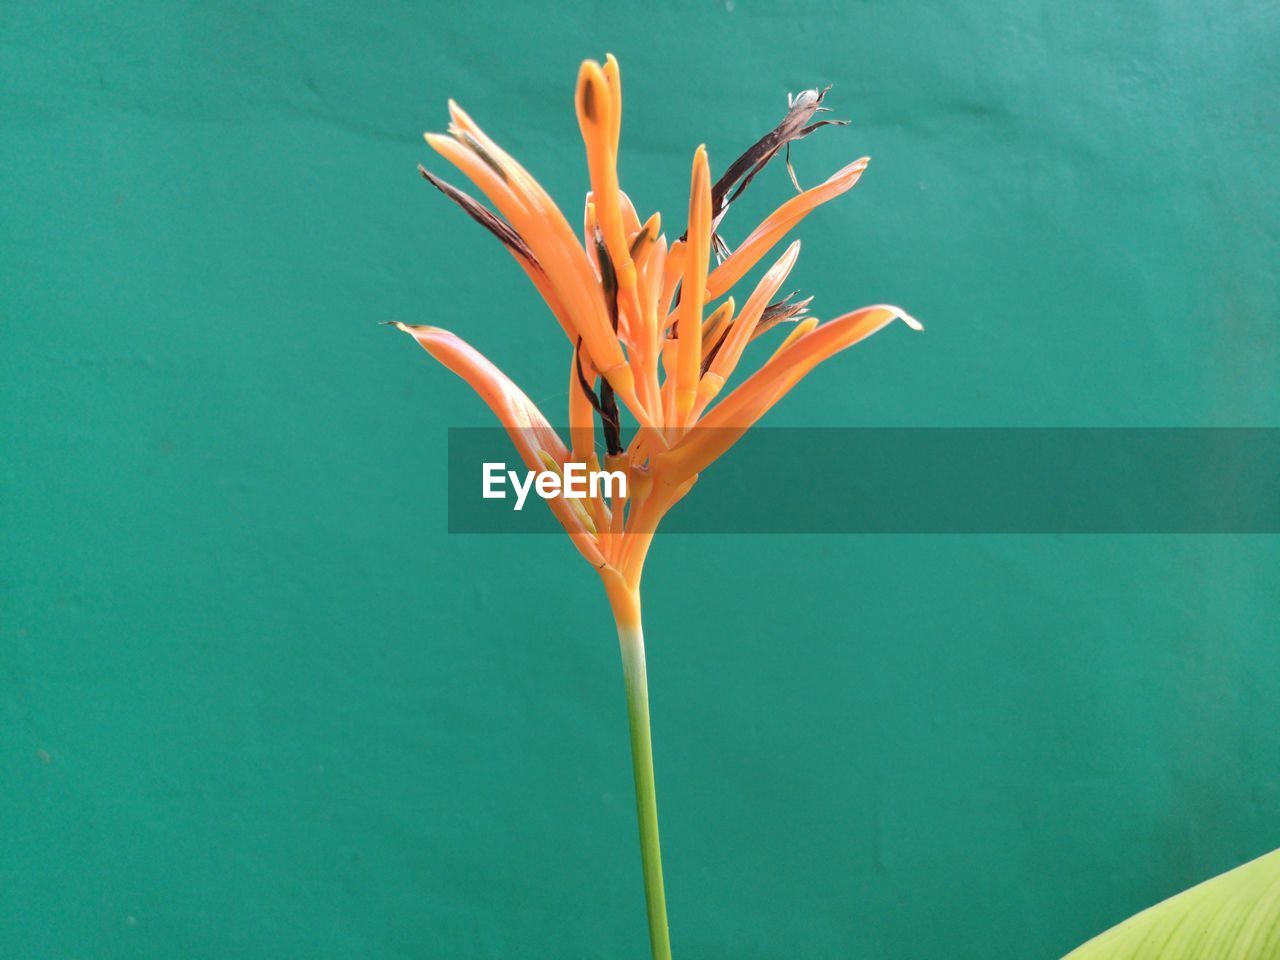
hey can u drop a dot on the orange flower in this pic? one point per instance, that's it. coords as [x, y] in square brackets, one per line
[635, 310]
[638, 313]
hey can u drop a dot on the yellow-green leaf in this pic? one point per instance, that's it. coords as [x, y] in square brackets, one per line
[1234, 916]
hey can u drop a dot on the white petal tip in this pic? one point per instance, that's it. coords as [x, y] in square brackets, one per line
[908, 319]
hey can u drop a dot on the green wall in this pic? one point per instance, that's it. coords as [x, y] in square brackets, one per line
[255, 703]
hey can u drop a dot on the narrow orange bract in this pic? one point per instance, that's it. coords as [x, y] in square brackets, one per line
[693, 289]
[735, 341]
[778, 224]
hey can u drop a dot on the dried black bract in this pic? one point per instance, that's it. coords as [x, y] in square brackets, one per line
[795, 126]
[711, 354]
[781, 311]
[609, 419]
[608, 405]
[605, 406]
[608, 279]
[483, 216]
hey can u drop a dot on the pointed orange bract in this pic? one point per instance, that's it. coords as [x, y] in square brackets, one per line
[535, 440]
[721, 428]
[744, 326]
[641, 317]
[693, 288]
[778, 224]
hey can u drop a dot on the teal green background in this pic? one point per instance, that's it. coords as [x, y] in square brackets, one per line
[255, 703]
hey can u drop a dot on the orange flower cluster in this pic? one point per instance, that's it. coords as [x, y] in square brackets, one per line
[638, 312]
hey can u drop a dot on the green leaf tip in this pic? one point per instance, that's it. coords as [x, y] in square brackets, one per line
[1234, 916]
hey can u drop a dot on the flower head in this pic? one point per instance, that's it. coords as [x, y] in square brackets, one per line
[646, 333]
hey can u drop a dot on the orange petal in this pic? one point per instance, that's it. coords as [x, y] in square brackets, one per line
[513, 243]
[693, 288]
[543, 227]
[716, 327]
[642, 240]
[732, 417]
[630, 219]
[726, 358]
[528, 428]
[613, 74]
[582, 429]
[654, 263]
[599, 124]
[801, 328]
[774, 227]
[672, 272]
[565, 265]
[582, 422]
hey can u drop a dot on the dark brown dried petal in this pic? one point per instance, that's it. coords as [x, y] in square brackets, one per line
[782, 311]
[711, 354]
[605, 405]
[794, 126]
[608, 406]
[609, 422]
[608, 278]
[483, 216]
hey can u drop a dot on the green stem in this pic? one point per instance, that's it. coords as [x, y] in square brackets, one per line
[631, 640]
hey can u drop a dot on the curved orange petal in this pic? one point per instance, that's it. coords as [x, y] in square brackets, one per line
[582, 422]
[740, 333]
[801, 329]
[599, 120]
[533, 437]
[693, 288]
[775, 226]
[716, 327]
[654, 263]
[736, 413]
[541, 224]
[630, 219]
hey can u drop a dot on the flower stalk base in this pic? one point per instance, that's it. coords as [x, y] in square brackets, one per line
[626, 607]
